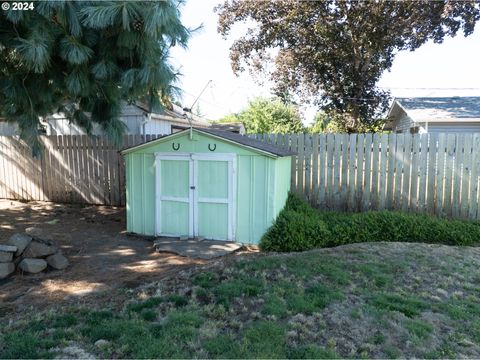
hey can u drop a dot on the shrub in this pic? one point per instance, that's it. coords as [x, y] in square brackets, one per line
[295, 231]
[299, 227]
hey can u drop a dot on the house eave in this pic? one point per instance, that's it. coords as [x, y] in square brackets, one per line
[448, 120]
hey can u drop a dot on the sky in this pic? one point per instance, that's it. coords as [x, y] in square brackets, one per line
[448, 69]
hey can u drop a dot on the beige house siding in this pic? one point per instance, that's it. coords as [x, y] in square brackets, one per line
[404, 124]
[453, 127]
[134, 118]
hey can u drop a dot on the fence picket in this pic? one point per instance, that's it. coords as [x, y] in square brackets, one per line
[432, 152]
[308, 165]
[344, 192]
[415, 173]
[407, 161]
[351, 171]
[294, 148]
[422, 174]
[397, 197]
[466, 174]
[440, 175]
[315, 163]
[368, 173]
[337, 172]
[329, 169]
[449, 166]
[322, 171]
[301, 164]
[360, 168]
[391, 171]
[457, 178]
[473, 196]
[375, 171]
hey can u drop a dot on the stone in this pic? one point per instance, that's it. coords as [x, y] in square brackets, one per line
[34, 231]
[21, 241]
[57, 261]
[39, 235]
[6, 269]
[101, 343]
[32, 265]
[8, 248]
[206, 249]
[5, 257]
[39, 250]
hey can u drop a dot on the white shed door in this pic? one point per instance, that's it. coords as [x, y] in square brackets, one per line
[195, 195]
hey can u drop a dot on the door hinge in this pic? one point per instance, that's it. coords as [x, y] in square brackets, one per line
[192, 187]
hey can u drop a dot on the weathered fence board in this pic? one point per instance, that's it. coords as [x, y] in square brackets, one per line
[74, 169]
[437, 174]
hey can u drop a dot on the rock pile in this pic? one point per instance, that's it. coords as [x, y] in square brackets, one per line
[29, 254]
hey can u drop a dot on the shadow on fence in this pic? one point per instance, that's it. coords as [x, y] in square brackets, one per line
[70, 169]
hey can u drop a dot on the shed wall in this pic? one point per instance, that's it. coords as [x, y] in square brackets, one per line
[282, 183]
[255, 195]
[140, 177]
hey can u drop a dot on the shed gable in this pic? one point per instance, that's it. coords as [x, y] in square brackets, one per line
[201, 142]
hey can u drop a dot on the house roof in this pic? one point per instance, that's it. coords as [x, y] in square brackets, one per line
[174, 111]
[236, 127]
[228, 136]
[434, 109]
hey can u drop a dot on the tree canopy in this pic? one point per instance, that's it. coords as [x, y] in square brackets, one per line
[85, 58]
[334, 52]
[330, 122]
[268, 116]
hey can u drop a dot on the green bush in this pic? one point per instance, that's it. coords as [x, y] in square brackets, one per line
[295, 231]
[299, 227]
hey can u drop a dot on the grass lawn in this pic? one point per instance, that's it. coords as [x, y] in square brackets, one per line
[382, 300]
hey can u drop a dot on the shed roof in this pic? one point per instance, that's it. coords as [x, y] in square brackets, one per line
[228, 136]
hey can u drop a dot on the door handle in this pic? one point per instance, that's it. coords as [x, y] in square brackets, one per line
[192, 187]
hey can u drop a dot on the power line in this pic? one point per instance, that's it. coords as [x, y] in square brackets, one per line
[206, 102]
[428, 88]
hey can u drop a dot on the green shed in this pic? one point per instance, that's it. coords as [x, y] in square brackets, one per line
[206, 183]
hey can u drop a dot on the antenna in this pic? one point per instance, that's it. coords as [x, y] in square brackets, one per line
[197, 98]
[189, 110]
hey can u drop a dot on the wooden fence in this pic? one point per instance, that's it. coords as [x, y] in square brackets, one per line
[71, 169]
[429, 173]
[434, 173]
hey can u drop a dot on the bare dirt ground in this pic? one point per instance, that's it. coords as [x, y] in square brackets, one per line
[105, 261]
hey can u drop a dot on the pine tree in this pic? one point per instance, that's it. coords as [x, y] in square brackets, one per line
[84, 58]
